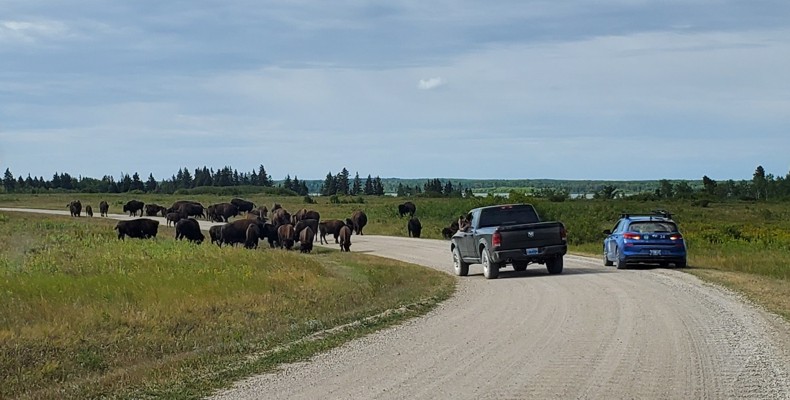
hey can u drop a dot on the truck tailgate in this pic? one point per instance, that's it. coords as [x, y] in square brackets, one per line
[530, 236]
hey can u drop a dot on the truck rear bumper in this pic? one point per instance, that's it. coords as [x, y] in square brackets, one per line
[539, 254]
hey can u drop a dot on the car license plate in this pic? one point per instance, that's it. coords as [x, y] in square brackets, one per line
[655, 252]
[531, 252]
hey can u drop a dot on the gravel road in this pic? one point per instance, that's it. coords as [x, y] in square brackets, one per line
[592, 332]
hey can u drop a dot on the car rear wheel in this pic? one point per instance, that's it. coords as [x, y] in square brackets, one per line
[461, 268]
[618, 263]
[554, 265]
[606, 261]
[490, 268]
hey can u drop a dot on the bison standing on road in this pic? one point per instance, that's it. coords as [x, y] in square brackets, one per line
[345, 238]
[415, 227]
[306, 237]
[152, 210]
[141, 228]
[89, 210]
[407, 208]
[221, 212]
[359, 219]
[331, 226]
[236, 231]
[133, 206]
[104, 207]
[303, 224]
[75, 208]
[173, 217]
[190, 229]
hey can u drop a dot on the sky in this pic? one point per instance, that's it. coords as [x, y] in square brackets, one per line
[600, 90]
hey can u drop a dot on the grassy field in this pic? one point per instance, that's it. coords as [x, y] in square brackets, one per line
[86, 315]
[742, 245]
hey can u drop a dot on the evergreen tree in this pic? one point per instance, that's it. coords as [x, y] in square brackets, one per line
[29, 182]
[187, 182]
[341, 181]
[8, 180]
[759, 183]
[263, 178]
[303, 190]
[401, 190]
[150, 184]
[369, 186]
[709, 185]
[329, 187]
[137, 184]
[378, 187]
[287, 183]
[356, 188]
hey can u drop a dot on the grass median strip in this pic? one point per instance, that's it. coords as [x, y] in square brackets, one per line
[87, 315]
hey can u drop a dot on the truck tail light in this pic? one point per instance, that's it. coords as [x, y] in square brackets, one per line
[496, 239]
[563, 233]
[632, 236]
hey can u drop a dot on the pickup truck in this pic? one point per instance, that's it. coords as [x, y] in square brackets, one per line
[508, 234]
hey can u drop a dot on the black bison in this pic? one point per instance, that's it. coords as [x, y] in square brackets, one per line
[331, 226]
[285, 234]
[190, 229]
[89, 210]
[345, 238]
[306, 214]
[192, 210]
[215, 233]
[104, 207]
[153, 210]
[447, 232]
[235, 232]
[262, 212]
[407, 208]
[173, 217]
[358, 220]
[303, 224]
[75, 208]
[141, 228]
[133, 206]
[415, 227]
[306, 237]
[252, 236]
[243, 205]
[221, 212]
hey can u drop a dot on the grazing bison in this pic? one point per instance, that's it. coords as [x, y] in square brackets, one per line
[133, 206]
[190, 229]
[221, 212]
[415, 227]
[285, 234]
[104, 207]
[75, 208]
[331, 226]
[177, 205]
[252, 236]
[191, 210]
[407, 208]
[141, 228]
[306, 237]
[215, 233]
[173, 217]
[236, 231]
[152, 210]
[359, 219]
[345, 238]
[303, 224]
[89, 210]
[243, 205]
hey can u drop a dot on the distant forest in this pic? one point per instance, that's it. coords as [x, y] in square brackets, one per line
[762, 186]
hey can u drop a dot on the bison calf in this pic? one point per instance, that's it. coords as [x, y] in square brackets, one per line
[415, 227]
[215, 232]
[89, 210]
[345, 238]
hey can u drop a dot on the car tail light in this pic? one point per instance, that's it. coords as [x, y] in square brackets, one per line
[632, 236]
[496, 239]
[675, 236]
[563, 233]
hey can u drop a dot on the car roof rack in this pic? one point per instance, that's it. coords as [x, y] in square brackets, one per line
[655, 213]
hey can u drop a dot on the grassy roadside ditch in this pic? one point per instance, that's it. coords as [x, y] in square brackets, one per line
[86, 315]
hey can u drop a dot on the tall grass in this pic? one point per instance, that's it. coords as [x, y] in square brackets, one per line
[84, 314]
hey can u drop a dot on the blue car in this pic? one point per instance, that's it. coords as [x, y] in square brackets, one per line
[644, 238]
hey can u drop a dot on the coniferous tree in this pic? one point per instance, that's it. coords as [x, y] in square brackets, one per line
[356, 187]
[287, 183]
[369, 186]
[151, 184]
[263, 178]
[136, 184]
[9, 183]
[378, 187]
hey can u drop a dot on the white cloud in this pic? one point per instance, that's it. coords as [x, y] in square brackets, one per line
[28, 31]
[430, 83]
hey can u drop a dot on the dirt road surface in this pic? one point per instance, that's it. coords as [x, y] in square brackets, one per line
[592, 332]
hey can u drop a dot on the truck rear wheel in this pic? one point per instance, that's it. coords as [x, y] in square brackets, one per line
[554, 265]
[490, 268]
[461, 268]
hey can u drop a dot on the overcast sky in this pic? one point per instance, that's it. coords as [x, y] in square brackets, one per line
[610, 89]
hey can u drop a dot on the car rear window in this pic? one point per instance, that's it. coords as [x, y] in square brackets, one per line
[508, 216]
[653, 227]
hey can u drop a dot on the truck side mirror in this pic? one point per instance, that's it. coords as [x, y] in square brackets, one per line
[607, 232]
